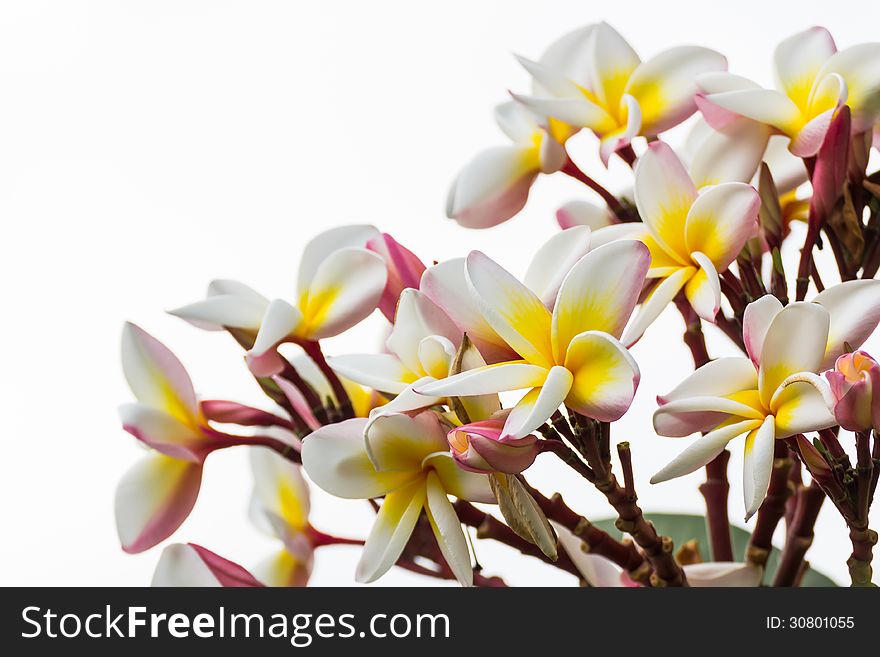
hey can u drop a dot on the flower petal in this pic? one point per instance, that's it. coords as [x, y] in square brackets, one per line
[730, 154]
[721, 220]
[399, 443]
[577, 111]
[703, 290]
[457, 481]
[323, 245]
[798, 60]
[605, 376]
[858, 66]
[417, 318]
[229, 304]
[758, 316]
[612, 64]
[795, 342]
[447, 531]
[279, 488]
[802, 403]
[539, 404]
[683, 417]
[164, 432]
[703, 450]
[393, 526]
[511, 309]
[190, 565]
[336, 459]
[854, 307]
[655, 303]
[554, 260]
[599, 293]
[664, 85]
[345, 289]
[493, 186]
[403, 267]
[279, 322]
[718, 378]
[758, 464]
[582, 213]
[153, 499]
[155, 375]
[284, 569]
[383, 372]
[772, 108]
[664, 194]
[723, 573]
[596, 570]
[488, 380]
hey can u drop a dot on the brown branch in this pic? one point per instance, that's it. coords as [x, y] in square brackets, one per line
[800, 535]
[313, 349]
[623, 214]
[715, 491]
[863, 539]
[772, 510]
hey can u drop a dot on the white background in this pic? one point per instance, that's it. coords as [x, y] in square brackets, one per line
[147, 147]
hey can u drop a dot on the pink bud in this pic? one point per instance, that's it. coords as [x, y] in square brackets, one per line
[852, 382]
[404, 270]
[481, 447]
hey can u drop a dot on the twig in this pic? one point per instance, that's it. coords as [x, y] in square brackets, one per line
[800, 535]
[715, 491]
[772, 510]
[622, 213]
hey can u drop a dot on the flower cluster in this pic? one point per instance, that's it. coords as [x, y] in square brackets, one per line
[483, 371]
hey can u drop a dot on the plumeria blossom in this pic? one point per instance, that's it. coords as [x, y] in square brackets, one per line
[495, 184]
[406, 460]
[404, 270]
[601, 572]
[484, 447]
[776, 392]
[691, 236]
[570, 355]
[280, 507]
[340, 283]
[854, 380]
[191, 565]
[593, 79]
[813, 79]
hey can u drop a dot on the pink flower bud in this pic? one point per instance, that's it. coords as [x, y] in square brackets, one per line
[404, 270]
[852, 382]
[481, 447]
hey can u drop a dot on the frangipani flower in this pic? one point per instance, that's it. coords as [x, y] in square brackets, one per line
[407, 460]
[404, 270]
[601, 572]
[495, 185]
[191, 565]
[691, 236]
[570, 355]
[593, 79]
[340, 283]
[775, 393]
[483, 447]
[853, 381]
[813, 79]
[280, 507]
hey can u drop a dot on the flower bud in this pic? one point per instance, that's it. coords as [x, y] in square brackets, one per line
[481, 447]
[852, 381]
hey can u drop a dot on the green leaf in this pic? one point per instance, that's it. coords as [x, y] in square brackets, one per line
[681, 528]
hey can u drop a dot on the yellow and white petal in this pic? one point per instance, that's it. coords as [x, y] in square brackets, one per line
[383, 372]
[577, 111]
[758, 464]
[798, 60]
[436, 355]
[407, 400]
[766, 106]
[758, 316]
[664, 194]
[164, 432]
[854, 307]
[655, 303]
[279, 489]
[703, 290]
[716, 82]
[630, 230]
[155, 375]
[320, 247]
[153, 499]
[511, 309]
[571, 55]
[283, 569]
[488, 380]
[393, 526]
[446, 285]
[599, 293]
[516, 122]
[613, 62]
[605, 376]
[554, 260]
[550, 82]
[859, 66]
[723, 573]
[399, 443]
[236, 306]
[279, 322]
[718, 378]
[795, 342]
[665, 85]
[457, 481]
[536, 407]
[447, 530]
[702, 450]
[346, 288]
[730, 154]
[686, 416]
[335, 458]
[477, 407]
[630, 118]
[802, 403]
[721, 220]
[418, 317]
